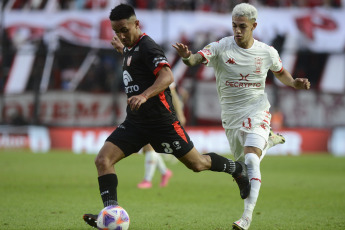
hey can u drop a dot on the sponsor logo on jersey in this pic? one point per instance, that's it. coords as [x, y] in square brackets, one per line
[237, 84]
[244, 78]
[136, 48]
[258, 64]
[206, 51]
[177, 145]
[127, 78]
[121, 126]
[231, 61]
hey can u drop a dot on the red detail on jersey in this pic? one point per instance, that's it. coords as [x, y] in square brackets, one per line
[203, 55]
[137, 40]
[263, 126]
[231, 61]
[206, 51]
[244, 77]
[160, 66]
[266, 121]
[281, 70]
[256, 179]
[179, 131]
[164, 100]
[258, 64]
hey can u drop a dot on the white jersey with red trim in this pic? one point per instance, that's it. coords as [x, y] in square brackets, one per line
[241, 76]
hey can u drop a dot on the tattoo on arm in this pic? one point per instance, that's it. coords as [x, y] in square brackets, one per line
[195, 59]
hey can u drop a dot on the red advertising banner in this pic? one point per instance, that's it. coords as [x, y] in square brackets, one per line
[205, 139]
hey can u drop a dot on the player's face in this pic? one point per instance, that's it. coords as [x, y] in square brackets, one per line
[127, 30]
[243, 30]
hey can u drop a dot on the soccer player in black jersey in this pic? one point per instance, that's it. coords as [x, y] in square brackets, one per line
[151, 117]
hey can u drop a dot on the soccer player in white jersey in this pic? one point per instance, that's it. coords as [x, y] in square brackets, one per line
[241, 64]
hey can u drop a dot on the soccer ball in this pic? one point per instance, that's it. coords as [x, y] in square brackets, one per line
[113, 218]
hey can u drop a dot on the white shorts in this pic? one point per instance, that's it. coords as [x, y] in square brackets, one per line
[254, 132]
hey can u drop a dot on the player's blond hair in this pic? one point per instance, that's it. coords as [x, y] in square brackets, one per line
[245, 10]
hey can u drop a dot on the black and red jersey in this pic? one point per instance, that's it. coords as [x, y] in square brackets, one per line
[141, 63]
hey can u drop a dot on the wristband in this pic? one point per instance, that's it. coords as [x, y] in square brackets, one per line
[144, 96]
[186, 59]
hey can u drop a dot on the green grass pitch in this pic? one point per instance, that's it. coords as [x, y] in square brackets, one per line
[54, 190]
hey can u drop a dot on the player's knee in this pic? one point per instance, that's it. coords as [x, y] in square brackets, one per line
[101, 162]
[251, 159]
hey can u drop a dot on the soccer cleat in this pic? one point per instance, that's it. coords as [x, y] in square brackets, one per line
[242, 224]
[165, 178]
[275, 139]
[91, 219]
[242, 180]
[145, 184]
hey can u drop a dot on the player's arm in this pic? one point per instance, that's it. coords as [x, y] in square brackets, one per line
[117, 44]
[187, 56]
[178, 106]
[298, 83]
[164, 78]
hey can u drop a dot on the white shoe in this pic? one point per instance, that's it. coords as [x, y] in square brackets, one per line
[275, 139]
[242, 224]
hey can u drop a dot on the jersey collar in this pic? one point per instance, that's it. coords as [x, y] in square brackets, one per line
[144, 34]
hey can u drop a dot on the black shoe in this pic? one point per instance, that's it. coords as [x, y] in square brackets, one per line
[91, 219]
[242, 180]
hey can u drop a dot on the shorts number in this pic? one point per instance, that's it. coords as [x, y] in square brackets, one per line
[167, 148]
[247, 123]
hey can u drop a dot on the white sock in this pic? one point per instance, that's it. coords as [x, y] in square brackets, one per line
[150, 164]
[253, 164]
[161, 164]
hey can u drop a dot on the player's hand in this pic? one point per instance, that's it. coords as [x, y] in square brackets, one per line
[117, 44]
[182, 50]
[301, 83]
[136, 101]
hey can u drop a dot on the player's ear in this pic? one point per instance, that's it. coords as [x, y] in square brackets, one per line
[254, 25]
[137, 24]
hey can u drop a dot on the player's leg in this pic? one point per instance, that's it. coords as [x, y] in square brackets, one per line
[254, 144]
[124, 141]
[166, 173]
[107, 157]
[214, 162]
[154, 160]
[150, 166]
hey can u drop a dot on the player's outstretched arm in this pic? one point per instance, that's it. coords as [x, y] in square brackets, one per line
[297, 83]
[187, 56]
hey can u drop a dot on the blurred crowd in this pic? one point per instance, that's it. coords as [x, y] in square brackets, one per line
[221, 6]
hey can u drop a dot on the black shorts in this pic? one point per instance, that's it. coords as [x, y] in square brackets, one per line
[164, 138]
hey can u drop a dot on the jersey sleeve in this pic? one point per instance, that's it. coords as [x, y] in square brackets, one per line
[154, 57]
[209, 53]
[277, 65]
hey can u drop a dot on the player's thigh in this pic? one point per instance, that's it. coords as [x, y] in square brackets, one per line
[170, 139]
[129, 138]
[235, 139]
[109, 154]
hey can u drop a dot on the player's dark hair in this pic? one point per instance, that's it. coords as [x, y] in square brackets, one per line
[122, 11]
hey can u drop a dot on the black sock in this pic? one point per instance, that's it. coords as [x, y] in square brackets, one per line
[107, 187]
[221, 164]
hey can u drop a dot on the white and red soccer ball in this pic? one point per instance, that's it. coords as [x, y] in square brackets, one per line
[113, 218]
